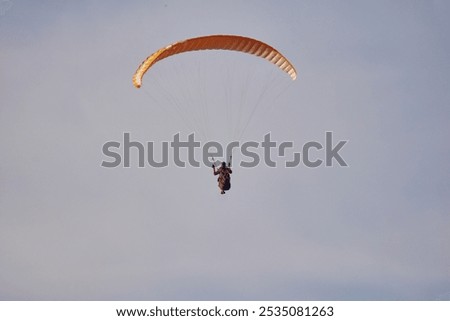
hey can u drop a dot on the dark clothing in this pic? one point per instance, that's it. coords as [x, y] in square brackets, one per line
[224, 178]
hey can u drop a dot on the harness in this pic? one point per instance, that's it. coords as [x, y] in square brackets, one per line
[224, 175]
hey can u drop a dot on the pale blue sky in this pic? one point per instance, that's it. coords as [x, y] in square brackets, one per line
[375, 73]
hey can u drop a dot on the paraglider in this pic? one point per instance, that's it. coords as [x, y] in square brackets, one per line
[224, 178]
[218, 42]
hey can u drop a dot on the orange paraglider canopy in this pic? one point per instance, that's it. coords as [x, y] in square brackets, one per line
[217, 42]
